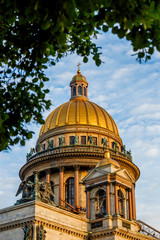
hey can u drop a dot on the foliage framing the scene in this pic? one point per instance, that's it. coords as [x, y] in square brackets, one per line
[36, 33]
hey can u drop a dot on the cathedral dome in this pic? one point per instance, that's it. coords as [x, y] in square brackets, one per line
[79, 111]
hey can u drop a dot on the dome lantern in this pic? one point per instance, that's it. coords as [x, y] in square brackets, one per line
[79, 85]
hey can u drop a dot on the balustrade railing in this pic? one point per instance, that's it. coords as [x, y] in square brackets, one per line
[74, 148]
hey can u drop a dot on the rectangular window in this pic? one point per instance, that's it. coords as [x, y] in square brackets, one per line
[50, 144]
[94, 141]
[71, 140]
[44, 147]
[83, 139]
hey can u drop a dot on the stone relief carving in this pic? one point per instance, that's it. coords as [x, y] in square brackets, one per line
[41, 233]
[28, 231]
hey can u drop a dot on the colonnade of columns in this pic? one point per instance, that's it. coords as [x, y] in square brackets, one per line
[76, 187]
[61, 185]
[131, 201]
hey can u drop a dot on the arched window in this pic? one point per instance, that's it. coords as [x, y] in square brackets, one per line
[52, 187]
[69, 191]
[85, 93]
[79, 90]
[120, 203]
[100, 203]
[74, 90]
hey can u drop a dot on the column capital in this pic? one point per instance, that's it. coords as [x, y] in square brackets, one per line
[61, 169]
[76, 167]
[107, 183]
[115, 183]
[48, 170]
[87, 189]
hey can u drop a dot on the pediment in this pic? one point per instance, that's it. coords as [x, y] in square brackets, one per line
[125, 174]
[94, 174]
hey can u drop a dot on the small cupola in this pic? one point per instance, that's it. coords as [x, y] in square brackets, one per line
[79, 85]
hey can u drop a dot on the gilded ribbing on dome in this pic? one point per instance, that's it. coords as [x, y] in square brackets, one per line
[79, 111]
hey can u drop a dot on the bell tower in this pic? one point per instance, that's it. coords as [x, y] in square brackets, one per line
[79, 85]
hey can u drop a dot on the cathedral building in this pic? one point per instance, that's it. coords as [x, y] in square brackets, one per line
[79, 180]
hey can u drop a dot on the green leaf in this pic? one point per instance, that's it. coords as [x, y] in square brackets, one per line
[151, 50]
[46, 91]
[105, 28]
[22, 142]
[85, 59]
[98, 62]
[34, 80]
[45, 25]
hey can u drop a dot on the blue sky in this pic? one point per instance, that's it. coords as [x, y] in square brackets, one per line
[130, 92]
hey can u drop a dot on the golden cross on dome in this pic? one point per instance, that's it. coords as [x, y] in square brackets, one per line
[78, 65]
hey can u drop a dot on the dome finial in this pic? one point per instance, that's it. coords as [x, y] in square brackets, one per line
[78, 65]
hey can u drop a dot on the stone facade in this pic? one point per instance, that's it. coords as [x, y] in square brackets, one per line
[63, 225]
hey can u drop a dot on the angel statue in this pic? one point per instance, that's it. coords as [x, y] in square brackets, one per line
[27, 189]
[123, 149]
[50, 144]
[115, 146]
[129, 154]
[76, 139]
[46, 192]
[38, 147]
[104, 141]
[61, 141]
[90, 139]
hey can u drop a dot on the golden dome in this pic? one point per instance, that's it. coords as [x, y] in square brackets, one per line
[79, 111]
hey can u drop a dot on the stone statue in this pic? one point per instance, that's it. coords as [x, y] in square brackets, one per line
[115, 146]
[27, 157]
[76, 139]
[27, 189]
[104, 141]
[32, 150]
[38, 148]
[46, 192]
[50, 144]
[41, 233]
[28, 231]
[123, 149]
[36, 190]
[61, 141]
[129, 154]
[90, 139]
